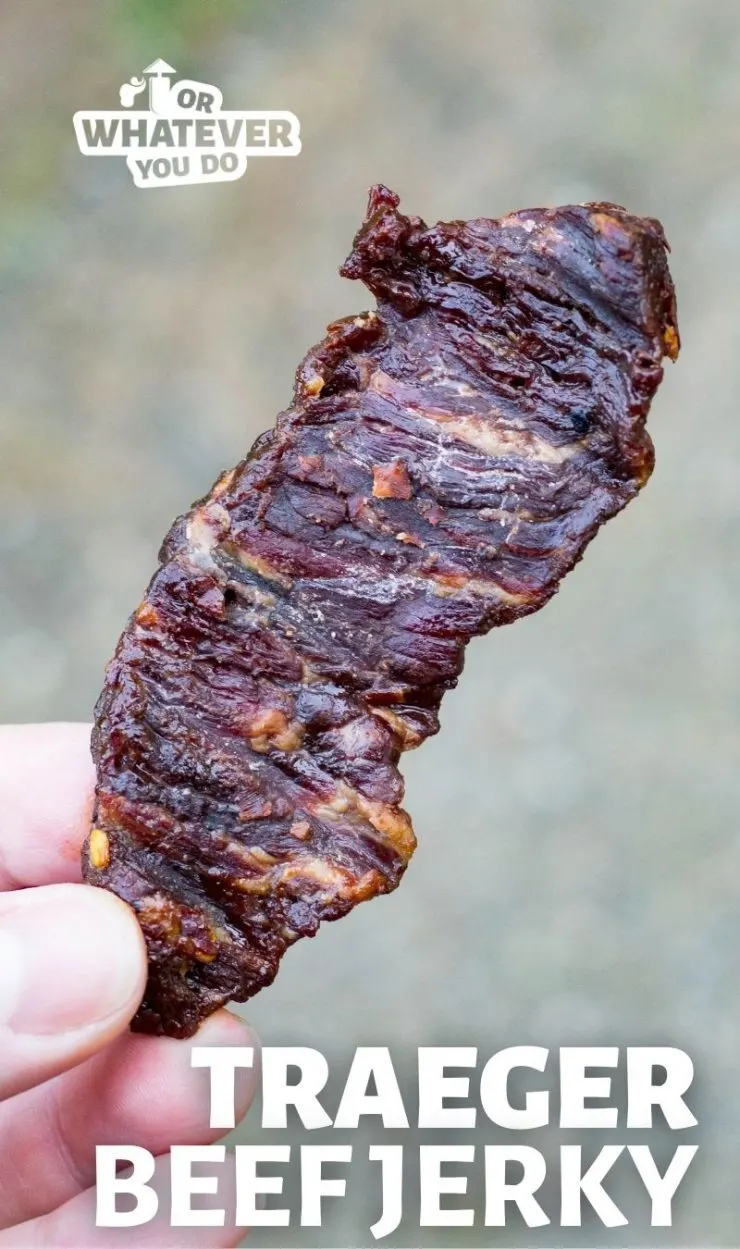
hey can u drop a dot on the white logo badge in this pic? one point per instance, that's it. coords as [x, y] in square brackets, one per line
[185, 135]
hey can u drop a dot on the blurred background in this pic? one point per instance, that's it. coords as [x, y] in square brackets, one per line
[576, 880]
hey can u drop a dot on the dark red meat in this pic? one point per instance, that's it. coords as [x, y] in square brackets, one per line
[444, 463]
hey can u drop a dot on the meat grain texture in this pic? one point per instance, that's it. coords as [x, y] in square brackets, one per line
[445, 462]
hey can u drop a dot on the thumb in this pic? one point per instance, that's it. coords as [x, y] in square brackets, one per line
[72, 973]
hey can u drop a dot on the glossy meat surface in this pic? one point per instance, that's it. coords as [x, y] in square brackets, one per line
[445, 462]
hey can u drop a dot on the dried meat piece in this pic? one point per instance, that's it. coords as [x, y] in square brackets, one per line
[444, 463]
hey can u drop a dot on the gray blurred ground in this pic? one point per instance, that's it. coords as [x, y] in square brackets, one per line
[577, 874]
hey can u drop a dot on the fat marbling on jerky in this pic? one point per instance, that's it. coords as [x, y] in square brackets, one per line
[445, 461]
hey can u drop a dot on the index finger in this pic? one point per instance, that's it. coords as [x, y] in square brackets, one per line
[46, 795]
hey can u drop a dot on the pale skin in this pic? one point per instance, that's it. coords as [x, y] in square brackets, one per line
[72, 973]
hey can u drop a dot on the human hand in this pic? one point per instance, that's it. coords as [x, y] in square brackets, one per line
[72, 973]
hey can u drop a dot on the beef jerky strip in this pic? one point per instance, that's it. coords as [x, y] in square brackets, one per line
[444, 463]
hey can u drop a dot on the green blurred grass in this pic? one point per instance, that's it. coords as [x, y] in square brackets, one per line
[172, 27]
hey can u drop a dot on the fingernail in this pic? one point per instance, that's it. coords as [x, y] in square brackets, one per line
[70, 956]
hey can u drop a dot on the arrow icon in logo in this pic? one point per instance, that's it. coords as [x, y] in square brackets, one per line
[159, 74]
